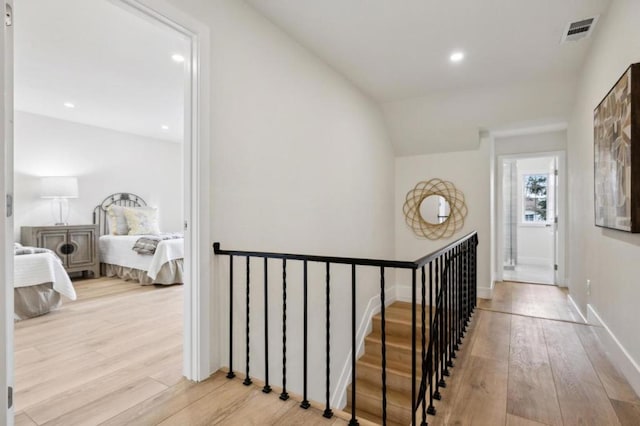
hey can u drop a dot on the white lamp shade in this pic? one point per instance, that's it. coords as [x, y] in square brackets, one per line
[59, 187]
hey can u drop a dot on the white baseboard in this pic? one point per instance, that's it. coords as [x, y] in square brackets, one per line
[403, 293]
[576, 308]
[339, 399]
[485, 292]
[619, 356]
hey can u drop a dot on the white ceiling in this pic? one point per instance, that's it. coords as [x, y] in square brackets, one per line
[113, 65]
[397, 50]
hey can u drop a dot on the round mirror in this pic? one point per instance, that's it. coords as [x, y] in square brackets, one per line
[434, 209]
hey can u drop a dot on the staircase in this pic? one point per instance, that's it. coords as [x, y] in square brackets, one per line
[369, 367]
[446, 279]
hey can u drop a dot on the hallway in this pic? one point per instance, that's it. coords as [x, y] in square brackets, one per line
[534, 300]
[518, 368]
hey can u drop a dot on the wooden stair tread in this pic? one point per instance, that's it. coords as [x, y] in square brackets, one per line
[399, 399]
[372, 418]
[398, 339]
[394, 340]
[397, 368]
[370, 397]
[402, 312]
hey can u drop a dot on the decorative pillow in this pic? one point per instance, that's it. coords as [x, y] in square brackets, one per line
[142, 220]
[117, 220]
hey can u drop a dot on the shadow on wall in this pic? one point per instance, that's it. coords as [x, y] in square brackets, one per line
[625, 237]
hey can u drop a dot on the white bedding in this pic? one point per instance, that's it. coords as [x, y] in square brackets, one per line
[40, 268]
[117, 250]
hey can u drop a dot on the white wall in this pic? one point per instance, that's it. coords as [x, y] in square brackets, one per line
[608, 258]
[469, 171]
[450, 120]
[531, 143]
[105, 162]
[300, 162]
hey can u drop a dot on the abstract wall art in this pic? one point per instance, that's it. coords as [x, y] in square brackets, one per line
[617, 155]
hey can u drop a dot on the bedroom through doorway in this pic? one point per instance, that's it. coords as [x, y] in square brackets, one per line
[101, 96]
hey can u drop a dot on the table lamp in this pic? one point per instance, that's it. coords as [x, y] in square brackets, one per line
[59, 189]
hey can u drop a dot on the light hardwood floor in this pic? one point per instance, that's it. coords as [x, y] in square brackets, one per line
[523, 369]
[536, 300]
[114, 358]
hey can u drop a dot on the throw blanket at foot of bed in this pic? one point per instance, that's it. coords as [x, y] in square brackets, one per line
[148, 244]
[19, 250]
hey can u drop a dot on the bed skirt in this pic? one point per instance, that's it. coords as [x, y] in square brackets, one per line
[35, 300]
[170, 273]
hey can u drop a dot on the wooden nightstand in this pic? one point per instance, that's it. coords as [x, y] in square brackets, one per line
[77, 245]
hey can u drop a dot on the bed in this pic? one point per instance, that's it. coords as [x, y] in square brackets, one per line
[165, 265]
[39, 281]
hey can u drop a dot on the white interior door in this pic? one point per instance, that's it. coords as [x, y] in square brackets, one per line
[555, 221]
[6, 216]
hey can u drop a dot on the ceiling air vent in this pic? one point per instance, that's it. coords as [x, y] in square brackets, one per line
[578, 30]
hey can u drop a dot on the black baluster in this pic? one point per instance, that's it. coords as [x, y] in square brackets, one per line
[474, 272]
[460, 295]
[469, 280]
[327, 411]
[432, 409]
[445, 328]
[456, 304]
[449, 350]
[353, 421]
[231, 374]
[266, 388]
[438, 327]
[384, 348]
[424, 346]
[305, 402]
[247, 379]
[413, 346]
[460, 303]
[467, 298]
[443, 319]
[284, 395]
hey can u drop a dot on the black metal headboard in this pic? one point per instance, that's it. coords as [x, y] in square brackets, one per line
[123, 199]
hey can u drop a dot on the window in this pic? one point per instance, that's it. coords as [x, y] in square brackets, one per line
[535, 198]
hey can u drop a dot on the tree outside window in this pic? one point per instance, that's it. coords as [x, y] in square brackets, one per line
[535, 198]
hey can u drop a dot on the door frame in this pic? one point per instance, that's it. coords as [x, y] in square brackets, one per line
[197, 351]
[560, 205]
[6, 218]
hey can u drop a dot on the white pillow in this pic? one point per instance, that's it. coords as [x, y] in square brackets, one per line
[117, 220]
[142, 220]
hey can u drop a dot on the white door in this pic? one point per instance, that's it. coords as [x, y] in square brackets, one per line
[555, 222]
[6, 216]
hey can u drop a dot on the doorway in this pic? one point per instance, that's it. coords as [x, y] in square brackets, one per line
[197, 358]
[529, 212]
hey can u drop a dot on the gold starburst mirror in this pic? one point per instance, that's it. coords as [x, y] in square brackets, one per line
[435, 209]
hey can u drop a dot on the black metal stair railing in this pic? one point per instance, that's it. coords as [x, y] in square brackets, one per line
[445, 293]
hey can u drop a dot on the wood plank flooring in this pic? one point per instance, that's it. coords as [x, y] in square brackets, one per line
[535, 300]
[555, 371]
[114, 358]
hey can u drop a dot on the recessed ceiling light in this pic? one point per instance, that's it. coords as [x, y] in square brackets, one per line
[69, 105]
[456, 56]
[177, 58]
[164, 127]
